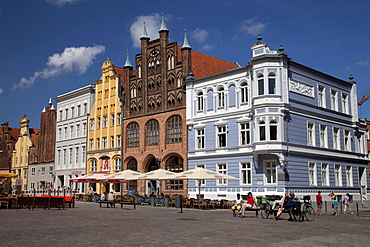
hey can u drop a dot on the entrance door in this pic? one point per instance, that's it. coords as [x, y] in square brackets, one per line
[362, 182]
[152, 186]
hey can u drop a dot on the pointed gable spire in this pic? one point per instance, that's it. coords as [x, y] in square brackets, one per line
[145, 34]
[128, 62]
[163, 25]
[50, 103]
[186, 42]
[44, 110]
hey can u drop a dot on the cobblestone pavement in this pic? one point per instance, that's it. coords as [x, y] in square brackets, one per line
[90, 225]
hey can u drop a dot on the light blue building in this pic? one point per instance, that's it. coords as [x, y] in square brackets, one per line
[278, 126]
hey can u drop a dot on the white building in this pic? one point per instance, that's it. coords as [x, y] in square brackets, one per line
[71, 134]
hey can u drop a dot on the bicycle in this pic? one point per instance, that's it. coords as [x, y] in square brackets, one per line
[270, 207]
[308, 212]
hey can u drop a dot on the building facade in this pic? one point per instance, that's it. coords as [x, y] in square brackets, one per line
[71, 136]
[104, 127]
[154, 116]
[20, 156]
[41, 156]
[278, 126]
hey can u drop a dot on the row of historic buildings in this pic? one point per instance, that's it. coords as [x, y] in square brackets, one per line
[275, 124]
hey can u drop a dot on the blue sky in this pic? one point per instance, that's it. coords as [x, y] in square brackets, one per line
[49, 47]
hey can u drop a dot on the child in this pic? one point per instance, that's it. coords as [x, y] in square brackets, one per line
[335, 205]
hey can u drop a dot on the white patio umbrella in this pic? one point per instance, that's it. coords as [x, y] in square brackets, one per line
[124, 176]
[200, 173]
[159, 174]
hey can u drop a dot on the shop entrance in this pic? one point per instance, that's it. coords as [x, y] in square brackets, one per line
[152, 186]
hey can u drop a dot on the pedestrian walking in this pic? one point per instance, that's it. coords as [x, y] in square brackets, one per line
[319, 202]
[346, 204]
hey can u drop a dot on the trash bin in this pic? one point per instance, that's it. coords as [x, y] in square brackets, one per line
[96, 197]
[178, 201]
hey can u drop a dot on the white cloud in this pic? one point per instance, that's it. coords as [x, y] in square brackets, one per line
[252, 27]
[1, 90]
[72, 59]
[152, 24]
[358, 64]
[200, 35]
[207, 47]
[62, 2]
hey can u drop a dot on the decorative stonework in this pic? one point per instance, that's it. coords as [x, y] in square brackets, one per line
[301, 88]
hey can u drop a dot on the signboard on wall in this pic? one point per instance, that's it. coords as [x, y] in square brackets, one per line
[106, 167]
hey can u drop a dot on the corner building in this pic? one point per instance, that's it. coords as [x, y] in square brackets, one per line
[278, 126]
[154, 119]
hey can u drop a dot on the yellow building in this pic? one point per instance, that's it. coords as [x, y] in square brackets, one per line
[20, 155]
[104, 136]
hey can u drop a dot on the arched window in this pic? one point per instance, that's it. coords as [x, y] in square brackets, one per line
[171, 79]
[152, 133]
[117, 164]
[133, 91]
[139, 69]
[170, 61]
[262, 129]
[221, 97]
[174, 129]
[273, 130]
[272, 83]
[261, 84]
[244, 93]
[179, 79]
[132, 165]
[133, 135]
[174, 164]
[200, 101]
[93, 166]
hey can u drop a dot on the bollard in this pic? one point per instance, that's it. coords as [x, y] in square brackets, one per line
[326, 207]
[358, 212]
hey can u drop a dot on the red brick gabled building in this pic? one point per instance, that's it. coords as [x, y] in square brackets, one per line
[8, 138]
[154, 121]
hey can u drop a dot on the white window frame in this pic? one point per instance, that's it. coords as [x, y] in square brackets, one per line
[334, 99]
[77, 152]
[119, 141]
[244, 92]
[92, 124]
[200, 139]
[245, 133]
[105, 142]
[347, 140]
[321, 96]
[221, 97]
[33, 171]
[325, 178]
[272, 82]
[222, 168]
[323, 136]
[246, 173]
[200, 102]
[42, 170]
[221, 132]
[312, 173]
[336, 138]
[119, 119]
[345, 103]
[338, 174]
[270, 171]
[349, 176]
[262, 130]
[105, 122]
[311, 134]
[117, 164]
[93, 166]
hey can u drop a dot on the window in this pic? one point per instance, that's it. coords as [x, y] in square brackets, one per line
[261, 86]
[132, 165]
[262, 130]
[323, 136]
[97, 143]
[174, 164]
[25, 173]
[152, 133]
[43, 170]
[83, 154]
[270, 172]
[66, 116]
[359, 144]
[112, 120]
[133, 91]
[91, 144]
[119, 119]
[221, 98]
[312, 173]
[119, 141]
[272, 83]
[72, 112]
[70, 156]
[105, 121]
[59, 134]
[273, 130]
[246, 172]
[59, 155]
[221, 168]
[71, 130]
[84, 129]
[32, 186]
[325, 174]
[65, 133]
[338, 175]
[174, 129]
[117, 164]
[64, 156]
[85, 108]
[221, 136]
[112, 141]
[349, 179]
[334, 100]
[105, 142]
[200, 138]
[321, 96]
[133, 135]
[92, 123]
[245, 135]
[200, 102]
[33, 171]
[51, 169]
[98, 125]
[79, 110]
[244, 93]
[347, 141]
[345, 103]
[78, 133]
[93, 166]
[336, 138]
[311, 134]
[77, 156]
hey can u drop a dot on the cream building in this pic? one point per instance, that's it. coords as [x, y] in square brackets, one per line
[104, 135]
[20, 156]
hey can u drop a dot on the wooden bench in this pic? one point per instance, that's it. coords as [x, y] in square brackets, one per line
[57, 202]
[111, 203]
[23, 202]
[42, 202]
[70, 200]
[128, 203]
[253, 209]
